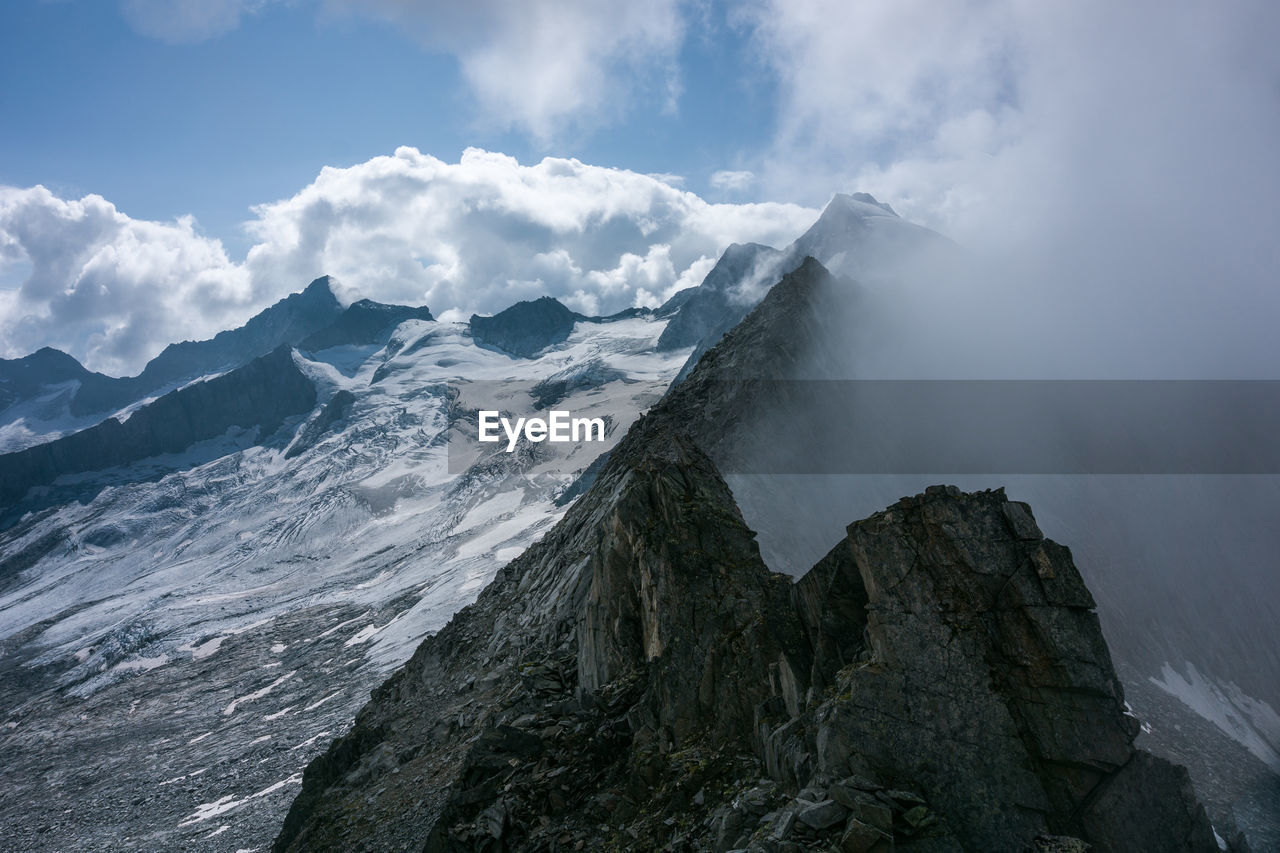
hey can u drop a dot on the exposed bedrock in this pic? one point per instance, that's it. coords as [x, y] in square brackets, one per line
[639, 680]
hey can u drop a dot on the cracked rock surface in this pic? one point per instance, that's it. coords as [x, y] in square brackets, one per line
[639, 680]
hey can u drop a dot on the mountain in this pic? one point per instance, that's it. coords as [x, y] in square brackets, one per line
[1147, 543]
[638, 678]
[258, 396]
[49, 394]
[362, 323]
[860, 237]
[23, 378]
[38, 401]
[526, 328]
[36, 394]
[720, 301]
[855, 236]
[181, 635]
[196, 626]
[286, 322]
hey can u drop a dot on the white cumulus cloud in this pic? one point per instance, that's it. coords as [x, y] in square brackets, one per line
[108, 288]
[471, 236]
[479, 234]
[539, 65]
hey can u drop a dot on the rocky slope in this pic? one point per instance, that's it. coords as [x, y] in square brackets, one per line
[638, 679]
[49, 394]
[258, 396]
[180, 639]
[526, 328]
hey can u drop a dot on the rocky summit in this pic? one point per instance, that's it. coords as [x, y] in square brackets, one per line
[638, 679]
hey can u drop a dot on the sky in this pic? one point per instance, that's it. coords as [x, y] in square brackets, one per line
[170, 167]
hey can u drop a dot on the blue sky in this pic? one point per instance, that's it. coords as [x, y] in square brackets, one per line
[170, 167]
[251, 115]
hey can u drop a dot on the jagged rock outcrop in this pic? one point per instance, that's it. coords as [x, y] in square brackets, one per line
[287, 322]
[363, 322]
[639, 680]
[702, 314]
[526, 328]
[261, 394]
[939, 682]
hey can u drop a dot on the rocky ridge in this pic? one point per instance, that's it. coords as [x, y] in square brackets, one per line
[638, 679]
[288, 321]
[260, 395]
[526, 328]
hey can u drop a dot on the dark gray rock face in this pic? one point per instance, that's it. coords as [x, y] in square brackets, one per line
[639, 680]
[364, 322]
[713, 307]
[526, 328]
[984, 647]
[628, 681]
[261, 394]
[24, 378]
[287, 322]
[334, 411]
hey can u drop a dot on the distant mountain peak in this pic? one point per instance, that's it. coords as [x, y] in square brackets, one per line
[363, 322]
[854, 202]
[320, 287]
[526, 328]
[50, 357]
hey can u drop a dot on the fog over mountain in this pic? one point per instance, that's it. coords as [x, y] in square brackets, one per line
[934, 506]
[136, 553]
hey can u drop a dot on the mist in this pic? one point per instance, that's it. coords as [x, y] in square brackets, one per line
[1182, 560]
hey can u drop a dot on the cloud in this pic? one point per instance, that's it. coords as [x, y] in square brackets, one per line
[537, 66]
[471, 236]
[186, 21]
[487, 231]
[541, 66]
[732, 181]
[106, 287]
[1112, 164]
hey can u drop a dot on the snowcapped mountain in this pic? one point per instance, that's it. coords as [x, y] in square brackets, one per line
[856, 236]
[49, 394]
[205, 569]
[256, 582]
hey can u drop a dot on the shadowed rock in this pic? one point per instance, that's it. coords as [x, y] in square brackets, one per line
[261, 395]
[638, 679]
[526, 328]
[363, 322]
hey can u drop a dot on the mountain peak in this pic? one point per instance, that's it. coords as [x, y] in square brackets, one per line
[53, 358]
[526, 328]
[321, 287]
[858, 203]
